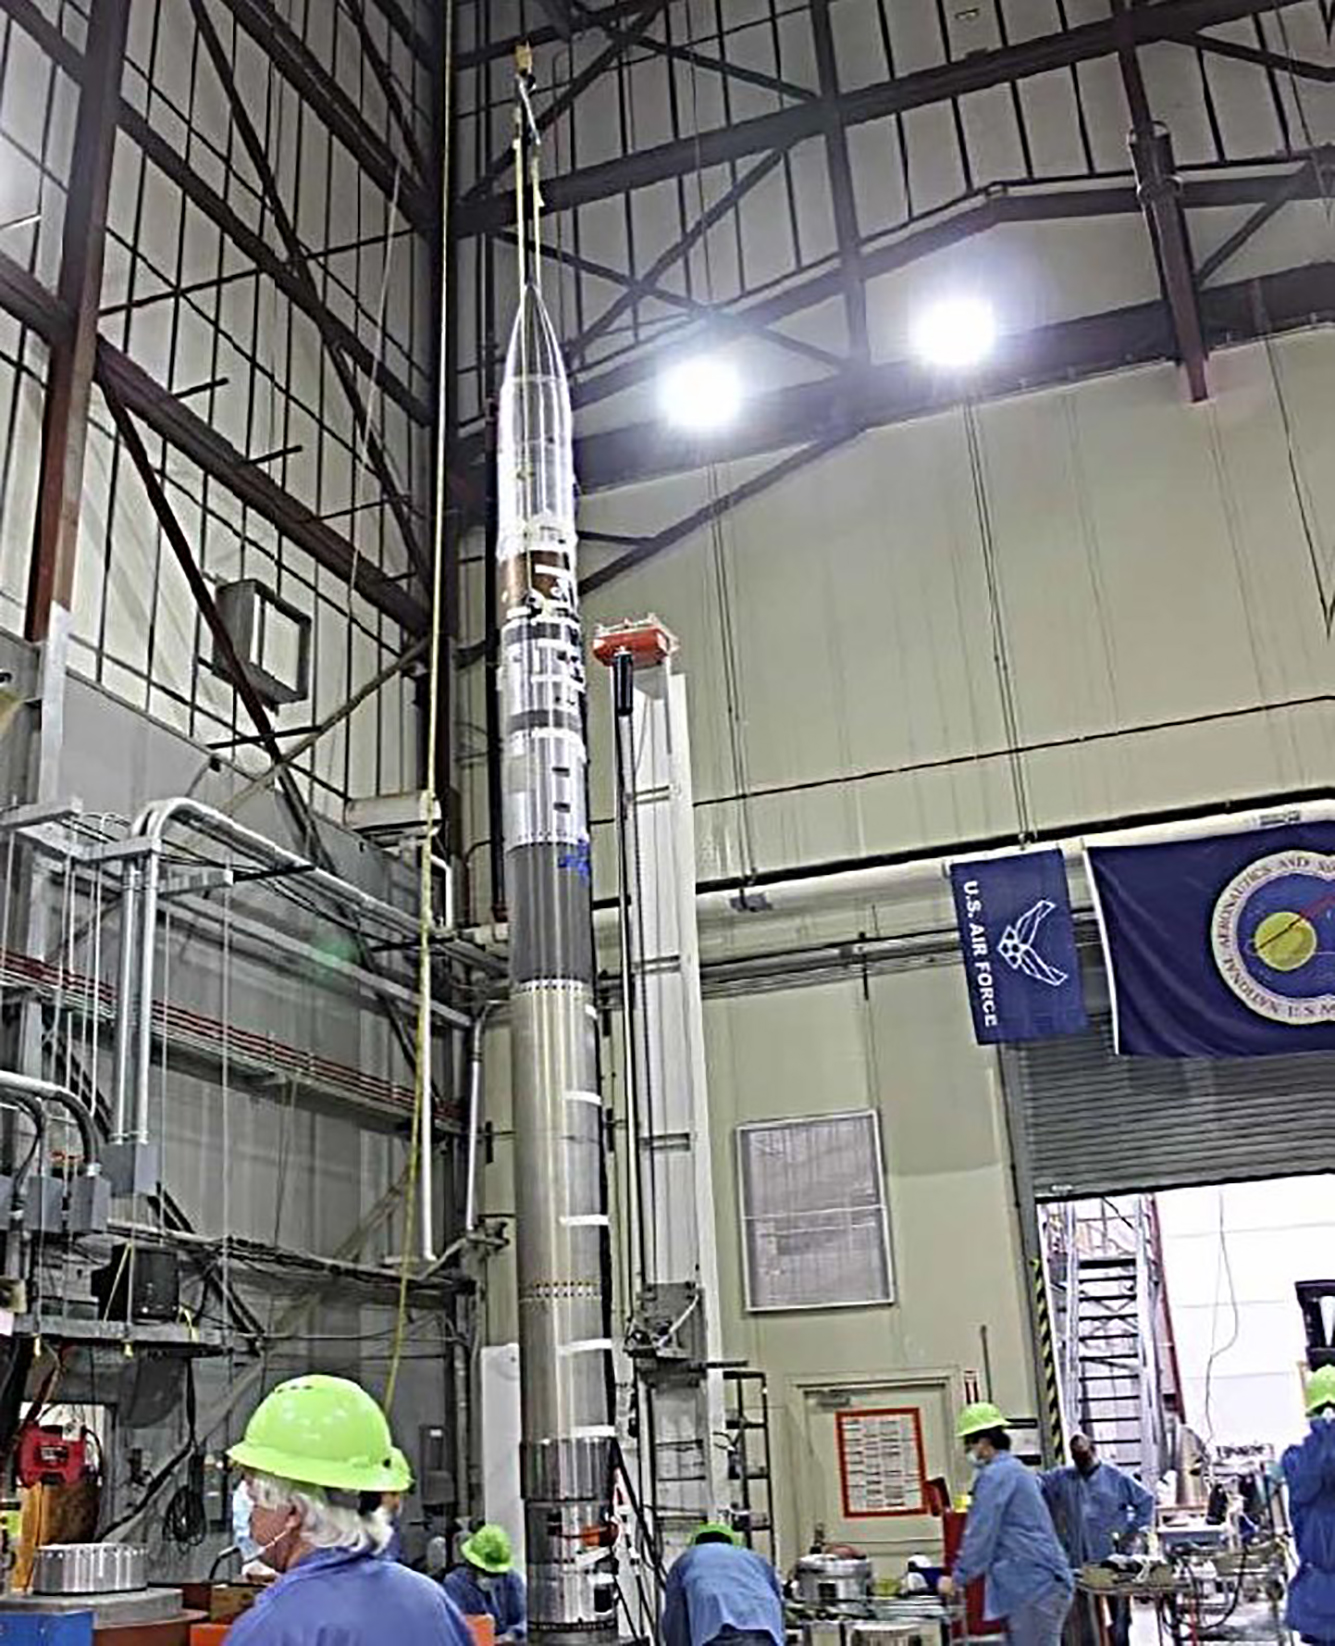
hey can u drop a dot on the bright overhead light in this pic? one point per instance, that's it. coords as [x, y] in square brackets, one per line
[702, 393]
[955, 333]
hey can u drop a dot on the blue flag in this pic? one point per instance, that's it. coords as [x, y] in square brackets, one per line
[1014, 916]
[1221, 947]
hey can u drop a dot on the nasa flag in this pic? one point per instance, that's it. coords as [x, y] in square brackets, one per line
[1018, 939]
[1224, 946]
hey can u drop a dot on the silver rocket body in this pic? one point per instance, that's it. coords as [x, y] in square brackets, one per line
[561, 1202]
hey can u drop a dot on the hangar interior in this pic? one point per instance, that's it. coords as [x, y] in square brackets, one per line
[502, 939]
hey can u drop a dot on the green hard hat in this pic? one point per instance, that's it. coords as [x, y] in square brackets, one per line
[489, 1549]
[978, 1417]
[715, 1529]
[1320, 1389]
[403, 1471]
[321, 1431]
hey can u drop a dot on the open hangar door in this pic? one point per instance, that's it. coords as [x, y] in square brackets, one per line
[1096, 1138]
[1085, 1122]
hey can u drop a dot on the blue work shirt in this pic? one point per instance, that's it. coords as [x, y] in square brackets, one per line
[336, 1597]
[1089, 1511]
[1309, 1470]
[500, 1596]
[718, 1586]
[1009, 1539]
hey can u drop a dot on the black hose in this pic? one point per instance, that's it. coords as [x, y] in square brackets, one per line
[37, 1114]
[223, 1554]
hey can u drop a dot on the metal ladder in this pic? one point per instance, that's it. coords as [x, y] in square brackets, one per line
[1116, 1357]
[749, 1471]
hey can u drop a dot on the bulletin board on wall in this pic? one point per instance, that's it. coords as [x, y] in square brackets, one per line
[882, 1468]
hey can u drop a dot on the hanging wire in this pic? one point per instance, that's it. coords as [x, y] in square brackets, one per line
[1302, 495]
[720, 545]
[1234, 531]
[423, 1084]
[1000, 648]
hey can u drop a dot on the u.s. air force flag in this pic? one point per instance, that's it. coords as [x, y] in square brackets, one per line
[1020, 960]
[1221, 947]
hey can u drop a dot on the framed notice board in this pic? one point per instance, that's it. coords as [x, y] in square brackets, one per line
[882, 1472]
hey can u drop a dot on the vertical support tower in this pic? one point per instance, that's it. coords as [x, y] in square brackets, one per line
[560, 1169]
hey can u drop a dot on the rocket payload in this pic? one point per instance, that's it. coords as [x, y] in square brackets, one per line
[562, 1228]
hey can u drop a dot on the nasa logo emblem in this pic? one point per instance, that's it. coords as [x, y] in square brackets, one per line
[1273, 937]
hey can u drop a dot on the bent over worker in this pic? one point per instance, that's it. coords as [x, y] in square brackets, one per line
[1309, 1470]
[312, 1448]
[1009, 1538]
[720, 1592]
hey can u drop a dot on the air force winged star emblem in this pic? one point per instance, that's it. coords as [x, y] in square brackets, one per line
[1017, 949]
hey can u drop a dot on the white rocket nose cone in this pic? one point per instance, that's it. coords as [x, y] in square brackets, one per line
[535, 467]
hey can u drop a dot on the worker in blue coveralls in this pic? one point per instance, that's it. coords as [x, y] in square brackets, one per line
[312, 1448]
[1309, 1470]
[719, 1591]
[1008, 1538]
[485, 1583]
[1097, 1509]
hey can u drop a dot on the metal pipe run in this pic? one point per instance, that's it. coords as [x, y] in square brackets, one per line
[153, 822]
[136, 1005]
[125, 995]
[22, 1086]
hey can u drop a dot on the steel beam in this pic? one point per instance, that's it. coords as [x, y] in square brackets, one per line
[173, 166]
[1285, 190]
[171, 528]
[218, 458]
[496, 51]
[384, 76]
[1239, 51]
[998, 206]
[403, 26]
[648, 285]
[691, 58]
[621, 40]
[900, 391]
[842, 197]
[698, 519]
[69, 378]
[785, 127]
[1160, 191]
[561, 15]
[372, 445]
[326, 98]
[30, 302]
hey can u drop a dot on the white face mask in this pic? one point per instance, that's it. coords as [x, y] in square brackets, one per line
[975, 1459]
